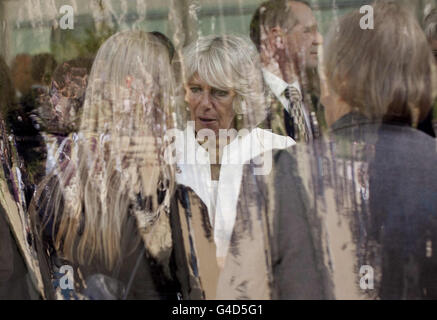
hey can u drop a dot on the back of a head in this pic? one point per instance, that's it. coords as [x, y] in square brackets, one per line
[386, 73]
[130, 66]
[117, 159]
[129, 102]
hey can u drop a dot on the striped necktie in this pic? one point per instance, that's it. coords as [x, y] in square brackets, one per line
[301, 130]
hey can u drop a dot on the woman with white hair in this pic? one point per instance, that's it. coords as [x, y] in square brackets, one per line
[104, 212]
[224, 92]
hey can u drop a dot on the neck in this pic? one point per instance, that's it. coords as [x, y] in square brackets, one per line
[340, 109]
[215, 146]
[285, 71]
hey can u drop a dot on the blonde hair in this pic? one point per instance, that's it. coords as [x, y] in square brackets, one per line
[116, 166]
[229, 62]
[386, 73]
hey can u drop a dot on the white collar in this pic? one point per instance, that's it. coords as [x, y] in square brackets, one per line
[239, 151]
[198, 177]
[276, 84]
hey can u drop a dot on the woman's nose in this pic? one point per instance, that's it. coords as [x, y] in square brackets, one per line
[205, 99]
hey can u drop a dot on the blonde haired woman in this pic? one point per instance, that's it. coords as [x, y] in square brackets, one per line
[112, 197]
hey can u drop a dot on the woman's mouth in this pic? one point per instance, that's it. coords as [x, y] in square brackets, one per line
[207, 120]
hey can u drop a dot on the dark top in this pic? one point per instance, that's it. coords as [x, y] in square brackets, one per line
[380, 181]
[135, 267]
[296, 272]
[145, 275]
[426, 125]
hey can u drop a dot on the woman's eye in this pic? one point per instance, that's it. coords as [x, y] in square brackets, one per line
[221, 93]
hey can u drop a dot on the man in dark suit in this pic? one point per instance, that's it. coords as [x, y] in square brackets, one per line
[286, 35]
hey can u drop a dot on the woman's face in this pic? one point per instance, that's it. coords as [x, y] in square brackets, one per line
[210, 108]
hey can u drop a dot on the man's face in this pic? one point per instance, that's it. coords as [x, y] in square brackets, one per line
[304, 39]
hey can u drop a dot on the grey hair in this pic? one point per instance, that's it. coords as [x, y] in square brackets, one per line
[229, 62]
[386, 73]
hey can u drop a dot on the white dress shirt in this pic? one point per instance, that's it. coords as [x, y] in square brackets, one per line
[194, 171]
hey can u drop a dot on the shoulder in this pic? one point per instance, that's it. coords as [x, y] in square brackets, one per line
[407, 142]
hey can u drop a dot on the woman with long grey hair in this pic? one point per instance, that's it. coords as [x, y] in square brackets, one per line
[104, 211]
